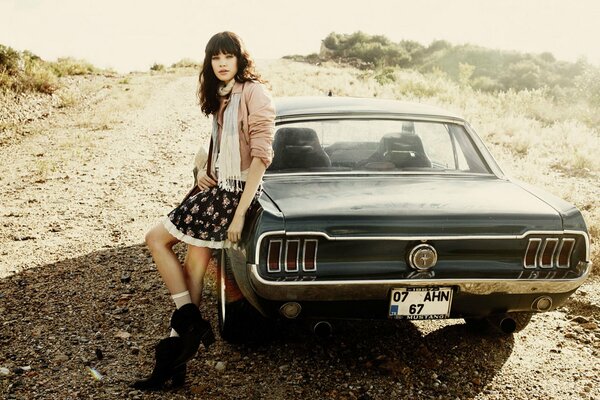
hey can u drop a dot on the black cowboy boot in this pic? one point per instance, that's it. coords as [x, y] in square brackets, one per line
[165, 352]
[179, 376]
[192, 329]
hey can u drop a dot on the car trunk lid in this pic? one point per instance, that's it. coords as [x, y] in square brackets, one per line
[408, 205]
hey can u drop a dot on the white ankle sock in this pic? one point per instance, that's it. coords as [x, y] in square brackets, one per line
[180, 300]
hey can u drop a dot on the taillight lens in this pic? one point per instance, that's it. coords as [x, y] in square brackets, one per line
[274, 256]
[550, 252]
[547, 257]
[531, 253]
[563, 259]
[310, 255]
[291, 255]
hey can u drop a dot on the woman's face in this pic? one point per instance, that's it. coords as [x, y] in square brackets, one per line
[224, 66]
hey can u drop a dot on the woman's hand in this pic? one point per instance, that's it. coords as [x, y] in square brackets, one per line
[234, 233]
[204, 181]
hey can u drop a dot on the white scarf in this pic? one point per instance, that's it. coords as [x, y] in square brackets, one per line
[228, 159]
[224, 90]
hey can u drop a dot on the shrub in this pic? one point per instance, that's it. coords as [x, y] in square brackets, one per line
[185, 63]
[481, 68]
[69, 66]
[313, 58]
[25, 71]
[10, 61]
[6, 81]
[157, 67]
[588, 85]
[486, 84]
[67, 99]
[465, 72]
[38, 78]
[36, 75]
[385, 75]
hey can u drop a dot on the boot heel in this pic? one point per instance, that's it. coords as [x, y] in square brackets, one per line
[208, 338]
[163, 367]
[178, 378]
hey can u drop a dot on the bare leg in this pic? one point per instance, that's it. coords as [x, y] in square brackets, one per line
[196, 261]
[161, 242]
[173, 353]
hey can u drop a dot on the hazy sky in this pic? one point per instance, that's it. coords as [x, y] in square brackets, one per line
[132, 35]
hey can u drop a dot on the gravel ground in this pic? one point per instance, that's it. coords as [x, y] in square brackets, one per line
[82, 305]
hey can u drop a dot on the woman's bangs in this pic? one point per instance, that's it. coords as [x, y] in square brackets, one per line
[221, 44]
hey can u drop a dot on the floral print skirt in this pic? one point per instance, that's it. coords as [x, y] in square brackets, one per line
[203, 218]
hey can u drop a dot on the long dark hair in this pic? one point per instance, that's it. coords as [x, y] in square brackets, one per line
[208, 83]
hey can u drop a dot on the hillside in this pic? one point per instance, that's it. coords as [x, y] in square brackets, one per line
[485, 69]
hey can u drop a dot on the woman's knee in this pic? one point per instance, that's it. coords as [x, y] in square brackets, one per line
[158, 238]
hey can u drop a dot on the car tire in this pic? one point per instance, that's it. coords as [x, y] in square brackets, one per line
[493, 323]
[239, 321]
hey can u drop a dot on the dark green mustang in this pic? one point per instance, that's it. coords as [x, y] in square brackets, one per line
[382, 209]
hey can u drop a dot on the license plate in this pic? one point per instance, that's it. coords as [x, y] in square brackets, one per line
[421, 302]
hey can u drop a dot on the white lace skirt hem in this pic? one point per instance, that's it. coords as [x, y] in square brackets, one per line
[172, 229]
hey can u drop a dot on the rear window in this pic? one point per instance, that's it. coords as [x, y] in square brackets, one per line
[374, 145]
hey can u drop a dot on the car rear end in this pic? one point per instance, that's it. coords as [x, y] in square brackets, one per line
[418, 277]
[390, 214]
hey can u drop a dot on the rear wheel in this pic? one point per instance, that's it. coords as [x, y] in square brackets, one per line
[239, 321]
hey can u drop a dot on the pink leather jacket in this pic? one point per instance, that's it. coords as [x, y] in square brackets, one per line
[256, 122]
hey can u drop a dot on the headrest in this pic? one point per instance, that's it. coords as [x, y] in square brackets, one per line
[401, 141]
[285, 137]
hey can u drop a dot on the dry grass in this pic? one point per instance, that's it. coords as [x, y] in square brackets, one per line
[43, 169]
[66, 99]
[67, 66]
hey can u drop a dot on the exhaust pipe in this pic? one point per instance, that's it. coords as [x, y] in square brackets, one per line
[322, 329]
[508, 325]
[503, 323]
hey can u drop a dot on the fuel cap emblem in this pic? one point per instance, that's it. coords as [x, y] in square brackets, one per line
[422, 257]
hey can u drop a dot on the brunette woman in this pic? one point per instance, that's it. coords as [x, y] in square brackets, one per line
[243, 117]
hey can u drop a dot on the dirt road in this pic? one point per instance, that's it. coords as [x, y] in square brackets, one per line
[80, 316]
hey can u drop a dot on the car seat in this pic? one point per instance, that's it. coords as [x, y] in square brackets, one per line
[298, 148]
[404, 150]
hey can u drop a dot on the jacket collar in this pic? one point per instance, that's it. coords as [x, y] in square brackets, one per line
[237, 87]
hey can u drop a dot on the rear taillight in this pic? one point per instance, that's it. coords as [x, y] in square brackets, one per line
[309, 255]
[563, 259]
[274, 256]
[547, 256]
[531, 254]
[293, 254]
[549, 253]
[292, 250]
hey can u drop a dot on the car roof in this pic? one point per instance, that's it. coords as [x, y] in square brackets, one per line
[325, 105]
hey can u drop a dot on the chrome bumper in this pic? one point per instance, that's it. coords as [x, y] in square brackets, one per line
[379, 289]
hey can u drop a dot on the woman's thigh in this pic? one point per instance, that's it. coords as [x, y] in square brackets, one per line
[198, 255]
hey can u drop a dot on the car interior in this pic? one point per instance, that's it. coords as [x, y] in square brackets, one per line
[298, 148]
